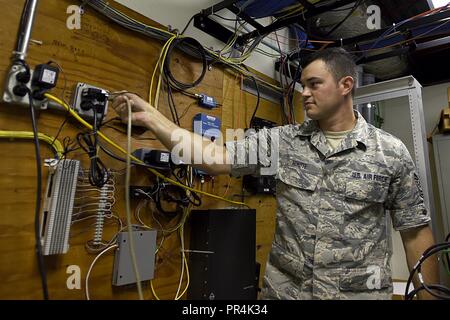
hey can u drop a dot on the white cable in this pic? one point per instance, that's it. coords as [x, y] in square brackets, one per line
[138, 218]
[181, 232]
[182, 261]
[127, 202]
[92, 265]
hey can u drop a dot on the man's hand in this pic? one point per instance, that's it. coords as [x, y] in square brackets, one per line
[140, 109]
[146, 116]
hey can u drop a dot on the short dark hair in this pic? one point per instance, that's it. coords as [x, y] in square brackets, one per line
[338, 61]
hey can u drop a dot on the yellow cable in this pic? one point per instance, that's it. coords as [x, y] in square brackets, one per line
[55, 144]
[153, 290]
[161, 72]
[159, 63]
[239, 69]
[156, 173]
[234, 64]
[185, 289]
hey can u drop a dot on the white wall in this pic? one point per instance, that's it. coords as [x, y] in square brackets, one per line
[177, 13]
[396, 116]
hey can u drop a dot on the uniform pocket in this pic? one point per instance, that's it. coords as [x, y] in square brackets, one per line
[305, 181]
[286, 262]
[371, 278]
[364, 216]
[368, 191]
[299, 172]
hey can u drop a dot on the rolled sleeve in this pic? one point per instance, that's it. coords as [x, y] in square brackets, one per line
[238, 153]
[249, 155]
[405, 200]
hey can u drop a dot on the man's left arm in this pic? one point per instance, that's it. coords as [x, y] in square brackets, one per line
[410, 217]
[415, 242]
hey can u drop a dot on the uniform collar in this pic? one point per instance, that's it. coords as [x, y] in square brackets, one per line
[359, 133]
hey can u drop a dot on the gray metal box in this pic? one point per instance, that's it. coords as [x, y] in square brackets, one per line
[145, 246]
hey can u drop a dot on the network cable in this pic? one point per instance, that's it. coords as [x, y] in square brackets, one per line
[116, 146]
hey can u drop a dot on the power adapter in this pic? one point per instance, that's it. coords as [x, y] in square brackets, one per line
[157, 158]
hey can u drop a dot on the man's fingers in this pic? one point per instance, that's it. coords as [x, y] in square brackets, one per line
[121, 110]
[117, 101]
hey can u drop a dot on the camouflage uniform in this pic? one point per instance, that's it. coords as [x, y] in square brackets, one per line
[332, 236]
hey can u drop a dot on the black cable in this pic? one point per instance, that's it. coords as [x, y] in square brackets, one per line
[189, 94]
[291, 90]
[434, 249]
[357, 4]
[437, 287]
[427, 253]
[173, 83]
[194, 45]
[437, 295]
[172, 106]
[98, 174]
[257, 101]
[187, 25]
[114, 156]
[185, 111]
[61, 127]
[447, 258]
[177, 177]
[40, 257]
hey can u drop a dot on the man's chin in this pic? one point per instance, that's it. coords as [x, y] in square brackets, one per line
[312, 115]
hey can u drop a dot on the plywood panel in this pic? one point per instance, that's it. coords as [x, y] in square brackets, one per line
[104, 54]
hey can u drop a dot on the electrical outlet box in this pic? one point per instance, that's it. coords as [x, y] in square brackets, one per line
[11, 82]
[87, 97]
[145, 247]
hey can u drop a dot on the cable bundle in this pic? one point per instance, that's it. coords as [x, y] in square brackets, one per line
[98, 174]
[436, 290]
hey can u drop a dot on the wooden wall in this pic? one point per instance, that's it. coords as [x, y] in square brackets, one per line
[104, 54]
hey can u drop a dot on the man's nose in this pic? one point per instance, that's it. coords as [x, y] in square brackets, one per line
[306, 92]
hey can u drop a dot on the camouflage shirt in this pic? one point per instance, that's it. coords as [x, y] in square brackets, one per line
[332, 237]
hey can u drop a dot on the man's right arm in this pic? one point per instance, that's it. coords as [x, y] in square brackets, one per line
[146, 116]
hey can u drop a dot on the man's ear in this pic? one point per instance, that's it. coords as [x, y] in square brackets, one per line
[346, 84]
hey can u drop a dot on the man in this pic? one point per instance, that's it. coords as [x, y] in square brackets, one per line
[338, 180]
